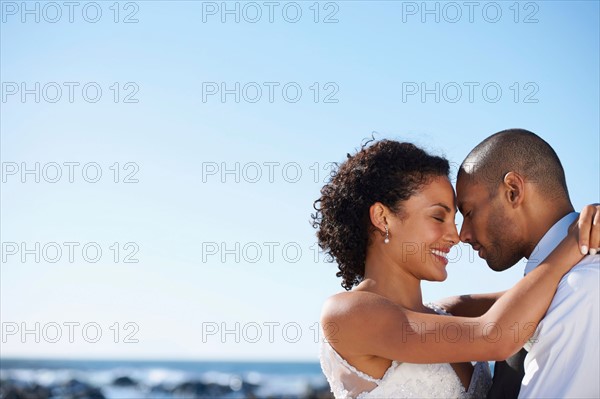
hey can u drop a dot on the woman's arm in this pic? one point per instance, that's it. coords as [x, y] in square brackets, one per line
[363, 323]
[469, 305]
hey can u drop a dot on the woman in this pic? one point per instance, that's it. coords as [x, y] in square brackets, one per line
[387, 218]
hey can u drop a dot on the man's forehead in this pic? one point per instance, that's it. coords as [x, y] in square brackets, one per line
[465, 184]
[467, 189]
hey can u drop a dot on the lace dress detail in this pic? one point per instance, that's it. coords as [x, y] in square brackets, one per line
[402, 380]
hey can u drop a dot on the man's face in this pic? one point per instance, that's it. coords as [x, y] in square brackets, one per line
[487, 225]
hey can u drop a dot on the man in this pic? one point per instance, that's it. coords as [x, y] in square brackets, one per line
[512, 193]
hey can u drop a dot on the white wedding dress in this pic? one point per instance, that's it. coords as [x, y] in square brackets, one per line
[402, 380]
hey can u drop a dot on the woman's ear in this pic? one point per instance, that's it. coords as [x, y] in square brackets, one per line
[514, 188]
[378, 213]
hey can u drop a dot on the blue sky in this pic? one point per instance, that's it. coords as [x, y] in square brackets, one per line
[186, 293]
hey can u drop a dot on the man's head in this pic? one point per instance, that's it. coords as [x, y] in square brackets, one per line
[506, 183]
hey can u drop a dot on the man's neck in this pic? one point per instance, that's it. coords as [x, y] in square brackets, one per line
[544, 218]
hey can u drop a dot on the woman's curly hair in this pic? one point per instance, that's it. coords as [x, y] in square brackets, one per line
[384, 171]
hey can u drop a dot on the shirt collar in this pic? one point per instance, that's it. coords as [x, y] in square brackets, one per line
[550, 240]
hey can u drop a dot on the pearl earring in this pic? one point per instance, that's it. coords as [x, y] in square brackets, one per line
[387, 235]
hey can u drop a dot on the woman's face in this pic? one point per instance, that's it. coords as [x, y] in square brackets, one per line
[422, 238]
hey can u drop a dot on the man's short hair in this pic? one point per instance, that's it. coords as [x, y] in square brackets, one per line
[520, 151]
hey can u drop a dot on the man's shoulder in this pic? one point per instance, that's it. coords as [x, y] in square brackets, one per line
[588, 267]
[583, 278]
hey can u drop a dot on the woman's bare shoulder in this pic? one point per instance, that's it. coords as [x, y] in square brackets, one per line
[351, 319]
[352, 304]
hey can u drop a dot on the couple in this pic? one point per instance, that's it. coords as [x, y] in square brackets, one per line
[387, 218]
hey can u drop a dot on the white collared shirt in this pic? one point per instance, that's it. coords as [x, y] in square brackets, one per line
[564, 353]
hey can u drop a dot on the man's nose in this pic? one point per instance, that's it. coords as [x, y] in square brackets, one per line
[465, 233]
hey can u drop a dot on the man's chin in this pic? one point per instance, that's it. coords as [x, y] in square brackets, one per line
[498, 266]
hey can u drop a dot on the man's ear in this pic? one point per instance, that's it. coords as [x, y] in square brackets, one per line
[378, 213]
[514, 188]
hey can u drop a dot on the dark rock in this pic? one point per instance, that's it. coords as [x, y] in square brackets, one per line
[201, 389]
[320, 392]
[21, 390]
[249, 388]
[190, 388]
[161, 388]
[75, 389]
[215, 390]
[124, 382]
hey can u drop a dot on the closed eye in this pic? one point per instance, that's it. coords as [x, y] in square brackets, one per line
[439, 219]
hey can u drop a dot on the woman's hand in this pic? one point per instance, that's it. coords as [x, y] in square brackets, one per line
[589, 229]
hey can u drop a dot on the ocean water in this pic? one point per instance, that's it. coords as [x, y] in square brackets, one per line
[119, 379]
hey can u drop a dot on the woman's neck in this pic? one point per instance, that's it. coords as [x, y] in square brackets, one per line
[391, 281]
